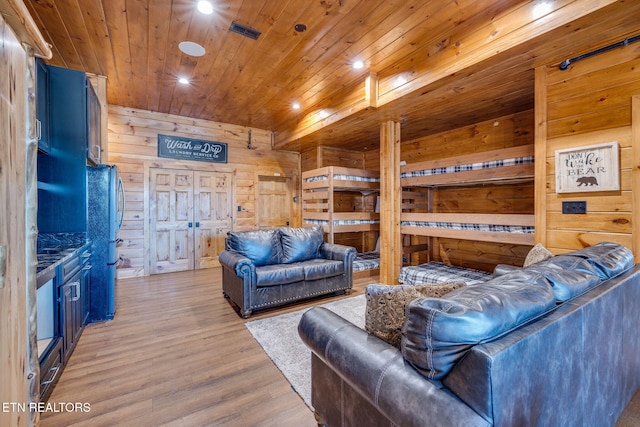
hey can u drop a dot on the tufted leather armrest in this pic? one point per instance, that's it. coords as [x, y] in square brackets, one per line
[236, 262]
[337, 252]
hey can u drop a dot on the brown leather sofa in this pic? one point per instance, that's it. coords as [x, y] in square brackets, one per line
[267, 268]
[473, 359]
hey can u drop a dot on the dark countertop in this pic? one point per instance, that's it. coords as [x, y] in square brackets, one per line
[55, 248]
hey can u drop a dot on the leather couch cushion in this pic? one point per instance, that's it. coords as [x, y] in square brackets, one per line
[501, 269]
[609, 259]
[568, 275]
[260, 246]
[278, 274]
[439, 332]
[315, 269]
[301, 244]
[385, 309]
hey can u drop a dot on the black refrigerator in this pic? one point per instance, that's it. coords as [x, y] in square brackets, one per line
[105, 211]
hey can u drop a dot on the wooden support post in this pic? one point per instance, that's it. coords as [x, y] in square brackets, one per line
[331, 206]
[635, 176]
[390, 203]
[540, 153]
[19, 365]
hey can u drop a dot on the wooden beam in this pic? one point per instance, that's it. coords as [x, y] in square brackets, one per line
[18, 190]
[390, 203]
[354, 100]
[514, 29]
[17, 16]
[635, 185]
[371, 89]
[540, 147]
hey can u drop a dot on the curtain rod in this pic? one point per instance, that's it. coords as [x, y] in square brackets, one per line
[567, 62]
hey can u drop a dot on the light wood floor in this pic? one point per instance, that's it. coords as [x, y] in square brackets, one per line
[178, 354]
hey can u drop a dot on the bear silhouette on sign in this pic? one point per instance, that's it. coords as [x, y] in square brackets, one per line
[587, 181]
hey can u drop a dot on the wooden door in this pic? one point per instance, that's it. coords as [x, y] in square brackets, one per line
[274, 201]
[213, 215]
[171, 220]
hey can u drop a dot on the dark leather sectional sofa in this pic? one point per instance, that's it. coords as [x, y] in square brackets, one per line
[267, 268]
[553, 344]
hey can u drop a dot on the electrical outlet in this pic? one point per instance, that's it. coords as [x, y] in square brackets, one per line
[574, 207]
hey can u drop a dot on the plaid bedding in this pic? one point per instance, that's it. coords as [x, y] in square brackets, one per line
[343, 178]
[471, 227]
[366, 261]
[469, 167]
[438, 272]
[342, 221]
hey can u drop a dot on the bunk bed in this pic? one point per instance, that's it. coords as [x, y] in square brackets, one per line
[319, 187]
[505, 166]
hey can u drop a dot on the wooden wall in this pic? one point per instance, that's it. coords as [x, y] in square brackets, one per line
[19, 368]
[503, 132]
[323, 155]
[372, 160]
[590, 103]
[133, 136]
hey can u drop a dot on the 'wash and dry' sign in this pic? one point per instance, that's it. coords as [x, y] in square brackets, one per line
[177, 147]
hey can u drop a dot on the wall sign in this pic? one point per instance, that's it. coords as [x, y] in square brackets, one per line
[177, 147]
[592, 168]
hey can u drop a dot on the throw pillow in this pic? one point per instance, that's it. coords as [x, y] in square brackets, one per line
[386, 304]
[301, 244]
[537, 254]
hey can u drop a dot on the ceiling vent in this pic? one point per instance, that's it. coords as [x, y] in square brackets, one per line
[244, 30]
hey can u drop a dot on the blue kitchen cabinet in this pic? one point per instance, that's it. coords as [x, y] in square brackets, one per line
[63, 303]
[62, 179]
[48, 331]
[51, 366]
[73, 299]
[42, 106]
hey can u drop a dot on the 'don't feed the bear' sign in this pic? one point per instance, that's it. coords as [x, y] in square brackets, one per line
[592, 168]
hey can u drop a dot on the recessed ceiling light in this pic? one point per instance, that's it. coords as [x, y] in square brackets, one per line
[301, 28]
[191, 48]
[358, 65]
[541, 8]
[295, 106]
[183, 80]
[205, 7]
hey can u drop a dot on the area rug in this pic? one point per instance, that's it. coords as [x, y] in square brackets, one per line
[279, 338]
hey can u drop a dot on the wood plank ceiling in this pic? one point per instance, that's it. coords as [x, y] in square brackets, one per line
[460, 61]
